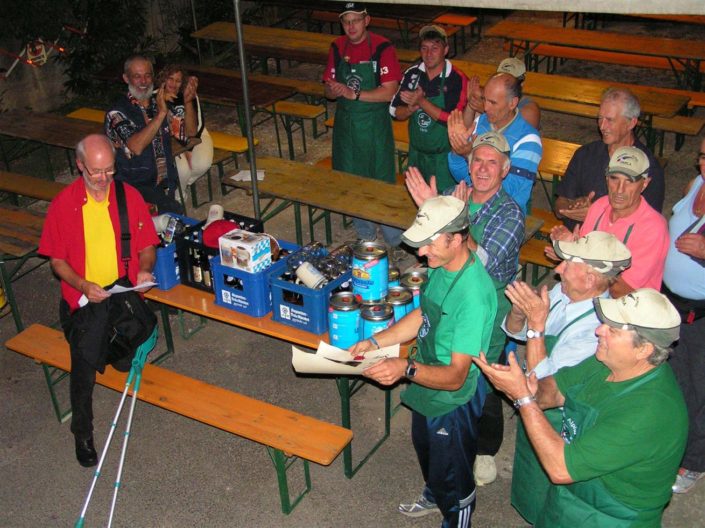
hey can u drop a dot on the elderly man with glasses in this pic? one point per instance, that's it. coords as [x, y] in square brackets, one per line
[82, 238]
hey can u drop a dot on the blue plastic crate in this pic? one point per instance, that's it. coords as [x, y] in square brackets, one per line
[301, 307]
[166, 268]
[250, 293]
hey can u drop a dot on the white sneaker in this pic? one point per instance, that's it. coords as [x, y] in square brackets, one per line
[421, 507]
[485, 470]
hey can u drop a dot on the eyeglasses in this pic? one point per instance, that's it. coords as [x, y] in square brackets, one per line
[351, 21]
[104, 172]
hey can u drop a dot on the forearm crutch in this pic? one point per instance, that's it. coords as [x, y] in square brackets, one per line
[135, 376]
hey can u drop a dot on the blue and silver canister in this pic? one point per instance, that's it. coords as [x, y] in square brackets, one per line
[375, 318]
[393, 277]
[401, 301]
[413, 281]
[370, 271]
[343, 320]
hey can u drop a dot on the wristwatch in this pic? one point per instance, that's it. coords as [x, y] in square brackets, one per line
[410, 371]
[533, 334]
[357, 93]
[526, 400]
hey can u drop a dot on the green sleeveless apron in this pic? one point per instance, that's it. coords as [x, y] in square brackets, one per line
[428, 142]
[363, 143]
[530, 484]
[588, 504]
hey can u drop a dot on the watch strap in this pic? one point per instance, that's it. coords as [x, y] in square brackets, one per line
[526, 400]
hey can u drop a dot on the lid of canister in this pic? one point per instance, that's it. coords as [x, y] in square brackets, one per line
[377, 312]
[413, 280]
[399, 295]
[344, 302]
[366, 250]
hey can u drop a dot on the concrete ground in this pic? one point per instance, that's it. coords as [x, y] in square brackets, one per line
[181, 473]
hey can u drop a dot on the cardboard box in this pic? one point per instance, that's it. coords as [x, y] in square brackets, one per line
[245, 251]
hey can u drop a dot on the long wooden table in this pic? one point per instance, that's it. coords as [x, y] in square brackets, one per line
[279, 43]
[344, 193]
[202, 303]
[680, 53]
[581, 90]
[20, 230]
[52, 130]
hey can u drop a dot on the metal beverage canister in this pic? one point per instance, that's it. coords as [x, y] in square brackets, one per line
[343, 320]
[370, 271]
[393, 277]
[413, 281]
[401, 300]
[375, 318]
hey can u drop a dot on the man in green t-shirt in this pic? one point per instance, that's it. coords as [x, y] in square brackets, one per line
[624, 419]
[446, 394]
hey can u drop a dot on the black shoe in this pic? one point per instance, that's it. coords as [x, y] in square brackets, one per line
[85, 452]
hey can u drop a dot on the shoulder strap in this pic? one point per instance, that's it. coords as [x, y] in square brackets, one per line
[125, 235]
[376, 59]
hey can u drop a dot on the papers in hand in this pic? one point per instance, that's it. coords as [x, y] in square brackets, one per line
[246, 175]
[332, 360]
[119, 289]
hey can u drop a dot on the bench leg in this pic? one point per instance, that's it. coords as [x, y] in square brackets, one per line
[347, 388]
[282, 463]
[168, 336]
[53, 377]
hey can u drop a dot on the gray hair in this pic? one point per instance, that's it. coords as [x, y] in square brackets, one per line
[132, 59]
[512, 86]
[631, 109]
[660, 353]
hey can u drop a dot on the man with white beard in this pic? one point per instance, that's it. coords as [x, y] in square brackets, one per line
[137, 127]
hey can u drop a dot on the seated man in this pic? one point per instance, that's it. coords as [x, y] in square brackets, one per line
[625, 214]
[427, 94]
[81, 236]
[528, 108]
[139, 130]
[501, 98]
[583, 181]
[559, 330]
[624, 422]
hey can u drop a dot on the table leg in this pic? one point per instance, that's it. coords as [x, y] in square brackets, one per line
[347, 387]
[168, 336]
[6, 282]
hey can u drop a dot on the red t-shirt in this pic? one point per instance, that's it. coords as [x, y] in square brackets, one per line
[362, 52]
[63, 235]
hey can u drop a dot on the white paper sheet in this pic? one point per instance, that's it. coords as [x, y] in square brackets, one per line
[245, 175]
[332, 360]
[119, 289]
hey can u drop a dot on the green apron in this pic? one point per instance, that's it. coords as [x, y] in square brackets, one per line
[498, 338]
[530, 484]
[363, 143]
[426, 349]
[588, 504]
[428, 142]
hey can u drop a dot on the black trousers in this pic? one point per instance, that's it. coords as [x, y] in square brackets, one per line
[82, 380]
[688, 364]
[161, 197]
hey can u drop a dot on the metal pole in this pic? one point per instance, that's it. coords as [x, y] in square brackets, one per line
[248, 116]
[195, 28]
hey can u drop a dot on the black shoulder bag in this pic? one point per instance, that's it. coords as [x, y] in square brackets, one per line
[130, 321]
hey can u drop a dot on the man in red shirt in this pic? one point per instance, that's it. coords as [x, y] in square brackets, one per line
[82, 239]
[363, 75]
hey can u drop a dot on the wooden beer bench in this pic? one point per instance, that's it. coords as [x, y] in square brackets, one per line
[286, 434]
